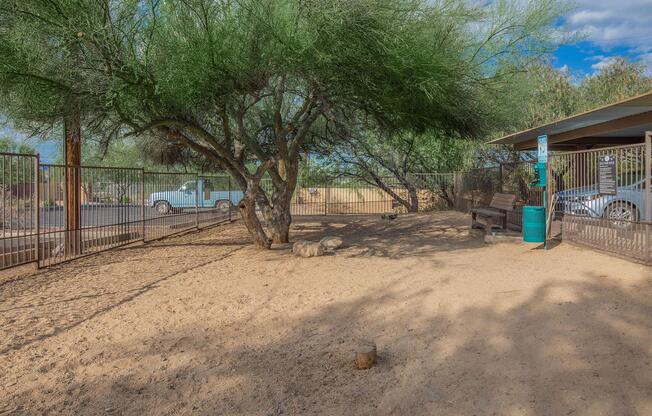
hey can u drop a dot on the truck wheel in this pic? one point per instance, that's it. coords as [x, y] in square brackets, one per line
[223, 206]
[162, 207]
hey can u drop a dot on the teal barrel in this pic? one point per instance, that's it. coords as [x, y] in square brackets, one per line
[534, 224]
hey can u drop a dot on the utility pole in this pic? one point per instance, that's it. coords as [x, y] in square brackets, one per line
[72, 156]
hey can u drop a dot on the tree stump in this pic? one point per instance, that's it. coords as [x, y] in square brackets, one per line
[365, 355]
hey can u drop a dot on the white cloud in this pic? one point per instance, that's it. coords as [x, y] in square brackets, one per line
[615, 23]
[602, 62]
[584, 17]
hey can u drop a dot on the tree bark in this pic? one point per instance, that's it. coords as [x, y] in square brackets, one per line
[414, 199]
[280, 220]
[278, 216]
[447, 195]
[247, 207]
[72, 150]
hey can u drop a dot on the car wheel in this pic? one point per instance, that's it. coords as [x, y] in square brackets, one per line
[223, 206]
[622, 214]
[162, 207]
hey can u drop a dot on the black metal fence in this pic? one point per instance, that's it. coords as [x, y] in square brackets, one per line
[112, 207]
[20, 211]
[476, 187]
[118, 206]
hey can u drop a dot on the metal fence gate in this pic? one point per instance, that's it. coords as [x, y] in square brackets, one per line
[610, 209]
[20, 213]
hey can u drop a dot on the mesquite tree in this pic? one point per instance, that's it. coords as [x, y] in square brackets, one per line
[246, 84]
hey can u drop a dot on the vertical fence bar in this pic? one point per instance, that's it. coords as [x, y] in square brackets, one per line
[142, 202]
[647, 160]
[230, 197]
[648, 176]
[327, 195]
[37, 249]
[197, 201]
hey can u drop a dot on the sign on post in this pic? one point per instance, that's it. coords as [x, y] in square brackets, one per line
[542, 150]
[607, 175]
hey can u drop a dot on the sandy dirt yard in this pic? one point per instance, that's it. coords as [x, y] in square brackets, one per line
[204, 324]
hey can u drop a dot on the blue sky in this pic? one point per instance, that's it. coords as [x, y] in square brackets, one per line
[609, 28]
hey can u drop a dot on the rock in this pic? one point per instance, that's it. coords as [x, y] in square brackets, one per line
[331, 243]
[307, 249]
[365, 355]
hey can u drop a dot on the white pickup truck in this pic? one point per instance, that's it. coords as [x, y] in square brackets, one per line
[200, 193]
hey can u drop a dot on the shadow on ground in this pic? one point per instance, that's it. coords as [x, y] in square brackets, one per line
[47, 303]
[410, 235]
[570, 347]
[585, 356]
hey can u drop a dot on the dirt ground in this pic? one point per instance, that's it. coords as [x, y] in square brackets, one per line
[204, 324]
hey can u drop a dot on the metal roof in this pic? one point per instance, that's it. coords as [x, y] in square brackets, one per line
[630, 107]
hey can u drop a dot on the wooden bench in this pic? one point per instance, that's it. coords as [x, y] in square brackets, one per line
[496, 212]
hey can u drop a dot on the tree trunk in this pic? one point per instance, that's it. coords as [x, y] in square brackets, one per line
[414, 199]
[280, 220]
[446, 195]
[247, 207]
[279, 217]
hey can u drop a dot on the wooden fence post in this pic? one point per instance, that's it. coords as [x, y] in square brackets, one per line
[72, 156]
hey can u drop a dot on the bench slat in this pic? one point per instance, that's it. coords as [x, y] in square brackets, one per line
[503, 201]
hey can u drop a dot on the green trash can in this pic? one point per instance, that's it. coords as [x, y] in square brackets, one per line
[534, 224]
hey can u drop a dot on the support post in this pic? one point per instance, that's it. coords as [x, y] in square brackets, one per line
[648, 176]
[37, 181]
[327, 195]
[72, 148]
[142, 203]
[648, 191]
[197, 202]
[229, 178]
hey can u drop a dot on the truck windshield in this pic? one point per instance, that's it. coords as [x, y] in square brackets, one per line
[188, 186]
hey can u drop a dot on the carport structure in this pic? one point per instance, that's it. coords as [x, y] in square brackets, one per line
[619, 219]
[622, 123]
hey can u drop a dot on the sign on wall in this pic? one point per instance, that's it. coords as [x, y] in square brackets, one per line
[607, 175]
[542, 149]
